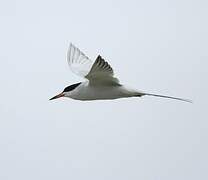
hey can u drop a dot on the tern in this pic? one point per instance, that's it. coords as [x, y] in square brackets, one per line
[101, 84]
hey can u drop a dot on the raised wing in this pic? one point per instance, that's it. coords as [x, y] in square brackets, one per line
[78, 62]
[101, 73]
[98, 73]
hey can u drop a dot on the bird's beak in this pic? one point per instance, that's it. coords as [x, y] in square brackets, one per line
[57, 96]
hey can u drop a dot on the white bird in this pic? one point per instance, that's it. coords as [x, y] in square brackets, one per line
[101, 83]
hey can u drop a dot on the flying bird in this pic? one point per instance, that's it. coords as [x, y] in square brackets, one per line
[100, 84]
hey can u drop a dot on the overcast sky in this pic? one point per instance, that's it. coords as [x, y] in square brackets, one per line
[154, 46]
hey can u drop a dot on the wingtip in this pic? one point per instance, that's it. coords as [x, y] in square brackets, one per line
[186, 100]
[170, 97]
[189, 101]
[71, 44]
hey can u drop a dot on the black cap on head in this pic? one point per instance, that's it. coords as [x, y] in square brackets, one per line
[71, 87]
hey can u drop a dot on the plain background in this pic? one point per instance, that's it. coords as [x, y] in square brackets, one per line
[155, 46]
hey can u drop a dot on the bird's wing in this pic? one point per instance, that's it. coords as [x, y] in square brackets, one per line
[78, 62]
[101, 73]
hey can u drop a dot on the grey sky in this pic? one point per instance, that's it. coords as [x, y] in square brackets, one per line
[155, 46]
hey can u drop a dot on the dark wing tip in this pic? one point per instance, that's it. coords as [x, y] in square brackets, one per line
[170, 97]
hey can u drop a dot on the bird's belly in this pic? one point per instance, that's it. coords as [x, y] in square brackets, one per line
[98, 93]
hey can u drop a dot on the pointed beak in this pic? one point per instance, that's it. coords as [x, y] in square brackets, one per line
[57, 96]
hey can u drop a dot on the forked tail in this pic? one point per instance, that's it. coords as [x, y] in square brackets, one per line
[170, 97]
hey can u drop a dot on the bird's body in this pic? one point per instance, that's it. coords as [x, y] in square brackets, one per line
[100, 84]
[85, 92]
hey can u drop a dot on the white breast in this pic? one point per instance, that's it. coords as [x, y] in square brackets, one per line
[86, 92]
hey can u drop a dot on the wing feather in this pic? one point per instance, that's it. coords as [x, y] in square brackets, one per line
[102, 73]
[98, 73]
[78, 62]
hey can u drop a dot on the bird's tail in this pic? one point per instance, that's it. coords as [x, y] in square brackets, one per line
[162, 96]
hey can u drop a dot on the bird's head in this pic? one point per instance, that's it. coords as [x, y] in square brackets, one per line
[66, 92]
